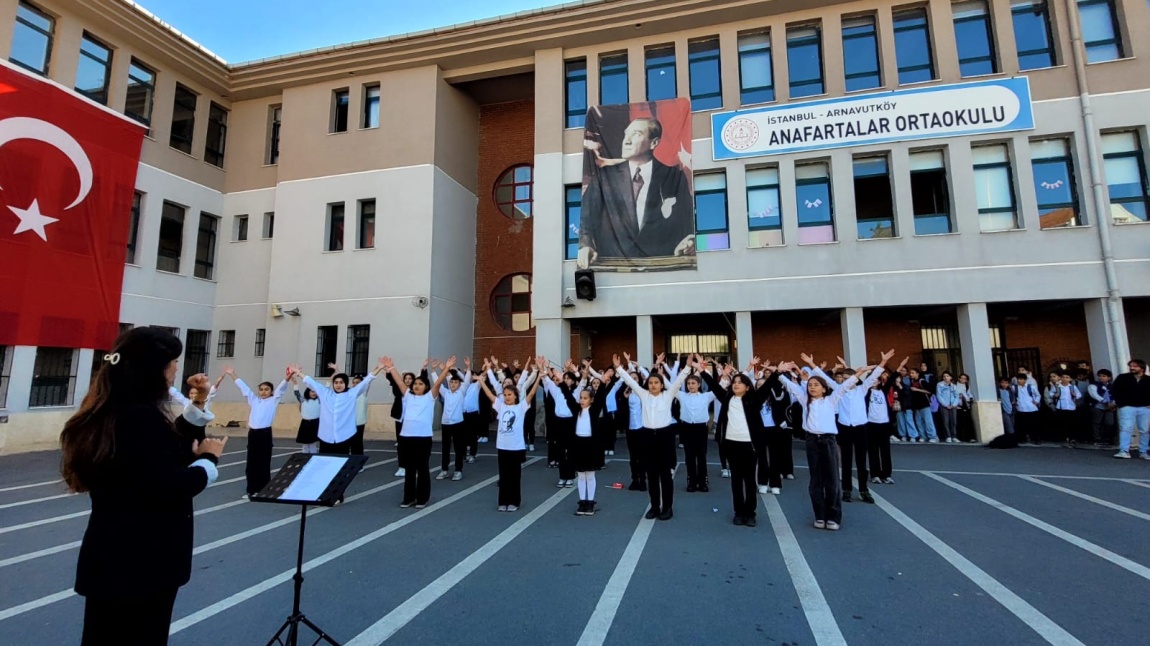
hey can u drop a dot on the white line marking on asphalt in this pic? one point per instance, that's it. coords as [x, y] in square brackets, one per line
[1097, 550]
[818, 612]
[1137, 483]
[1017, 606]
[283, 577]
[595, 632]
[35, 555]
[45, 521]
[1098, 501]
[393, 621]
[32, 605]
[29, 486]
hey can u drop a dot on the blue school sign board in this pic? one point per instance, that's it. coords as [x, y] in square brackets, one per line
[924, 113]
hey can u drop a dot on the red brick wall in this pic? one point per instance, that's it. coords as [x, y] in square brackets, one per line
[609, 337]
[1058, 336]
[782, 336]
[886, 330]
[503, 245]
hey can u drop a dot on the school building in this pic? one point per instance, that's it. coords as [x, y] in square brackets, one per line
[419, 195]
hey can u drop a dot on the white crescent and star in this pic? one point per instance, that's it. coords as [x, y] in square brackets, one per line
[14, 128]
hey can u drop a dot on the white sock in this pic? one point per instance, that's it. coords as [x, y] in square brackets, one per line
[590, 486]
[582, 485]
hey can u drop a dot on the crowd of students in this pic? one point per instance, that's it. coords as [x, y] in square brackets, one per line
[847, 418]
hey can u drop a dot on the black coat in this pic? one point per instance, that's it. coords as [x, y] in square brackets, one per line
[610, 224]
[139, 537]
[752, 404]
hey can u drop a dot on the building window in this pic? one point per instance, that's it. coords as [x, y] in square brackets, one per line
[339, 107]
[269, 225]
[183, 120]
[171, 238]
[1100, 32]
[711, 228]
[874, 198]
[813, 197]
[661, 73]
[325, 340]
[930, 193]
[513, 192]
[1054, 183]
[94, 69]
[358, 342]
[764, 211]
[32, 38]
[217, 135]
[860, 54]
[975, 38]
[5, 372]
[371, 106]
[334, 233]
[1032, 34]
[912, 46]
[706, 77]
[261, 338]
[196, 349]
[226, 345]
[366, 228]
[511, 303]
[712, 345]
[756, 76]
[141, 92]
[613, 79]
[994, 188]
[805, 60]
[575, 95]
[206, 247]
[239, 228]
[573, 208]
[1125, 177]
[53, 378]
[134, 227]
[275, 114]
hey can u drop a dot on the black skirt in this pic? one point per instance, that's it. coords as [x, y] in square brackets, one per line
[308, 431]
[586, 454]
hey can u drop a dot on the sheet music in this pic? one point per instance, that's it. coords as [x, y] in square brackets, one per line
[313, 478]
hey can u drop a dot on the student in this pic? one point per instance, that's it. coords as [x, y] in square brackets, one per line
[360, 416]
[1026, 403]
[1064, 397]
[879, 427]
[586, 443]
[1006, 398]
[196, 414]
[904, 411]
[657, 439]
[309, 408]
[263, 412]
[742, 423]
[780, 461]
[947, 395]
[397, 414]
[694, 414]
[819, 404]
[560, 388]
[634, 409]
[522, 384]
[418, 418]
[965, 409]
[337, 409]
[1101, 409]
[510, 411]
[921, 392]
[452, 428]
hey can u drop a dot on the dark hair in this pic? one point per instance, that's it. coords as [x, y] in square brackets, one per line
[409, 374]
[655, 375]
[823, 382]
[309, 391]
[341, 375]
[1139, 362]
[654, 128]
[947, 372]
[424, 381]
[743, 379]
[513, 390]
[1106, 372]
[269, 384]
[133, 375]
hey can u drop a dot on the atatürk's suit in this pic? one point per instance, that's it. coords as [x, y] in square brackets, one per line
[610, 225]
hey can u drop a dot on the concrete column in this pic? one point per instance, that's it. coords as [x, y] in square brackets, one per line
[636, 73]
[83, 376]
[977, 360]
[553, 339]
[744, 338]
[644, 340]
[1105, 350]
[20, 379]
[7, 26]
[854, 336]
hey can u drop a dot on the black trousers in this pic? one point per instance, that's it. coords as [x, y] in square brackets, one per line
[853, 442]
[259, 463]
[606, 438]
[1102, 423]
[723, 463]
[139, 622]
[878, 449]
[763, 466]
[635, 452]
[825, 488]
[356, 440]
[529, 426]
[781, 460]
[1027, 425]
[454, 434]
[1066, 425]
[564, 436]
[695, 452]
[742, 457]
[398, 430]
[417, 474]
[511, 477]
[658, 450]
[473, 422]
[339, 448]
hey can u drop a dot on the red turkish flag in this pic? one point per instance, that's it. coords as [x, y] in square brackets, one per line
[67, 176]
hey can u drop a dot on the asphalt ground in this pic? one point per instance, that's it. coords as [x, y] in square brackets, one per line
[970, 546]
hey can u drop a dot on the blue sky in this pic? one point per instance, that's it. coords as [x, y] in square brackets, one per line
[243, 30]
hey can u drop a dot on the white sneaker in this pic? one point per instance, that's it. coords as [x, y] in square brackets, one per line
[1125, 455]
[610, 453]
[483, 440]
[1145, 456]
[512, 508]
[776, 490]
[457, 476]
[726, 473]
[502, 507]
[400, 472]
[561, 484]
[570, 483]
[895, 439]
[530, 447]
[876, 480]
[763, 489]
[471, 459]
[790, 476]
[933, 440]
[443, 475]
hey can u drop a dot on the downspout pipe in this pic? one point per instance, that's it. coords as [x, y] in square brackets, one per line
[1119, 344]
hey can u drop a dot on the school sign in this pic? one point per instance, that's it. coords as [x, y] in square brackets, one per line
[923, 113]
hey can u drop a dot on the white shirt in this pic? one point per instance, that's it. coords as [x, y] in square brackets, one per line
[852, 409]
[191, 412]
[263, 410]
[337, 410]
[877, 412]
[1028, 398]
[361, 408]
[693, 407]
[418, 414]
[641, 200]
[657, 408]
[453, 403]
[737, 429]
[768, 418]
[509, 435]
[561, 407]
[819, 414]
[583, 423]
[1067, 396]
[634, 412]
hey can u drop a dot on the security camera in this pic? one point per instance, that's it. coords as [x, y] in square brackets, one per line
[567, 302]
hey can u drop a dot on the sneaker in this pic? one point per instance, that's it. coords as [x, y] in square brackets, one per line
[247, 496]
[763, 489]
[920, 440]
[847, 496]
[820, 524]
[561, 484]
[502, 508]
[512, 508]
[895, 439]
[1145, 456]
[667, 514]
[405, 504]
[457, 476]
[610, 453]
[876, 480]
[530, 447]
[483, 440]
[750, 521]
[704, 488]
[651, 514]
[691, 488]
[443, 475]
[832, 525]
[866, 497]
[420, 505]
[888, 481]
[739, 520]
[590, 508]
[778, 491]
[933, 440]
[400, 472]
[570, 483]
[726, 473]
[581, 510]
[643, 486]
[634, 486]
[1125, 455]
[680, 445]
[471, 459]
[789, 476]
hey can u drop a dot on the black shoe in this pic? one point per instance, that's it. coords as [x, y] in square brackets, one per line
[751, 522]
[866, 497]
[739, 520]
[704, 488]
[643, 486]
[846, 496]
[582, 509]
[691, 488]
[590, 508]
[652, 514]
[634, 486]
[666, 515]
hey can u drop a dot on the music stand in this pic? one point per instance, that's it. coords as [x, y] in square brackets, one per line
[308, 479]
